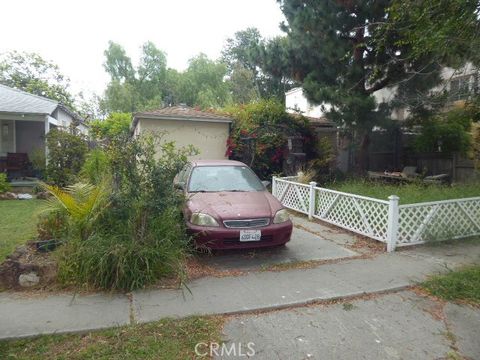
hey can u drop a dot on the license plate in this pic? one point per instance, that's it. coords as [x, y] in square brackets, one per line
[250, 235]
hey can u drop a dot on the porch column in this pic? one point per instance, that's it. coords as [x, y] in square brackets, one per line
[47, 130]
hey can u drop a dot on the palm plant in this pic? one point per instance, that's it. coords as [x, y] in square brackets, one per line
[81, 202]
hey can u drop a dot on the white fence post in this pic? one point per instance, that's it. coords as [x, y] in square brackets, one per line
[393, 219]
[274, 186]
[311, 203]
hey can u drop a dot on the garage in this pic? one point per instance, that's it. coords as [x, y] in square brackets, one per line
[208, 132]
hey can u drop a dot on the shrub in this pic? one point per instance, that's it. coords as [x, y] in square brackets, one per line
[446, 133]
[476, 145]
[134, 232]
[95, 167]
[4, 184]
[38, 160]
[66, 154]
[115, 125]
[259, 135]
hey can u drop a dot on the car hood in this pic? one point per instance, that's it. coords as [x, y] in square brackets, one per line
[234, 205]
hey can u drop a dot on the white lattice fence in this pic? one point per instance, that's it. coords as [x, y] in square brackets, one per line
[439, 220]
[386, 221]
[292, 195]
[363, 215]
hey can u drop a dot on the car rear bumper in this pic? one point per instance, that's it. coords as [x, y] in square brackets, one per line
[224, 238]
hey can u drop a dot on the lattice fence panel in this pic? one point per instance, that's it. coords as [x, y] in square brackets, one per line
[435, 221]
[294, 196]
[364, 216]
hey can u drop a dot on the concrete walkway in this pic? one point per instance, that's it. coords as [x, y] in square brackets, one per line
[21, 316]
[401, 325]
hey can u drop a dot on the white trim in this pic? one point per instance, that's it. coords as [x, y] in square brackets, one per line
[154, 117]
[14, 136]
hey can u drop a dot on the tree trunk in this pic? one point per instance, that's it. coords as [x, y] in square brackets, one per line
[361, 165]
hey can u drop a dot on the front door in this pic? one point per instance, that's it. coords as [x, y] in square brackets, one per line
[7, 137]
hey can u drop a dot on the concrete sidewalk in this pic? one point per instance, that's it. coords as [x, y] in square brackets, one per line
[21, 316]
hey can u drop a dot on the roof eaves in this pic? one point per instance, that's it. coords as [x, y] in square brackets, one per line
[181, 118]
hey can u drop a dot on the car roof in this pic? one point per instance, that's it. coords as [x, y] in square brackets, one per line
[217, 163]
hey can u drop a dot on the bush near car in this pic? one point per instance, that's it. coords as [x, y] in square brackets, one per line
[123, 229]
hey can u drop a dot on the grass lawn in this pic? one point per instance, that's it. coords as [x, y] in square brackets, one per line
[408, 193]
[17, 223]
[165, 339]
[462, 285]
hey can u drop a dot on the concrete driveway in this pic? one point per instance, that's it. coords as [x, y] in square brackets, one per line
[304, 246]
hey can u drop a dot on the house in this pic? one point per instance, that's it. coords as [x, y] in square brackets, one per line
[206, 131]
[25, 119]
[385, 149]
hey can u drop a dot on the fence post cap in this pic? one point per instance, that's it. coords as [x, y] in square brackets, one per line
[313, 183]
[393, 197]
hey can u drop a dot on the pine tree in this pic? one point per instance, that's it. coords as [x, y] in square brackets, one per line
[336, 55]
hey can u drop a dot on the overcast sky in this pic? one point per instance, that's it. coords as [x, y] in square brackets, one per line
[74, 34]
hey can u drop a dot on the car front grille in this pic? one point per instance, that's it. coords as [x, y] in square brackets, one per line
[250, 223]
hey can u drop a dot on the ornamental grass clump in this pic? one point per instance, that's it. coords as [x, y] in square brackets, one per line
[126, 231]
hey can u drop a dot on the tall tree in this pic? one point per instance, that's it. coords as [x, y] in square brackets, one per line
[31, 73]
[338, 60]
[247, 49]
[133, 89]
[202, 84]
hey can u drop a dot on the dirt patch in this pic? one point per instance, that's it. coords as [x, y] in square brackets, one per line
[28, 268]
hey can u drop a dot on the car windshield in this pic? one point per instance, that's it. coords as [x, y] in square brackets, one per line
[224, 178]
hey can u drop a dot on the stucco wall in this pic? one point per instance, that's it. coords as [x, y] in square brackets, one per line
[208, 137]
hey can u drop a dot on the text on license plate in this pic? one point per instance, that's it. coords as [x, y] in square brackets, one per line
[250, 235]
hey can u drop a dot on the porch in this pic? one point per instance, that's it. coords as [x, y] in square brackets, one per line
[22, 137]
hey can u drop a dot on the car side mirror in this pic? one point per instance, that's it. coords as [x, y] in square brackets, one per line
[179, 185]
[266, 183]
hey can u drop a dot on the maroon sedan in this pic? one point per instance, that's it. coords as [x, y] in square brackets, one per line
[229, 207]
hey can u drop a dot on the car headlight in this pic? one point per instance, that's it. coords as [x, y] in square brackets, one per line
[281, 216]
[203, 220]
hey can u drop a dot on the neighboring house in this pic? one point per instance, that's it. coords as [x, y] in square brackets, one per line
[185, 126]
[25, 119]
[460, 84]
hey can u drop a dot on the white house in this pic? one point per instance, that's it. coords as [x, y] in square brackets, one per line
[25, 119]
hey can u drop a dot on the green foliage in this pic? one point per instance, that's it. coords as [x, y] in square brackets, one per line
[461, 285]
[242, 85]
[115, 125]
[31, 73]
[4, 184]
[476, 145]
[203, 83]
[409, 193]
[66, 155]
[96, 166]
[443, 30]
[323, 165]
[127, 231]
[17, 221]
[262, 62]
[134, 89]
[259, 135]
[447, 132]
[38, 160]
[165, 339]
